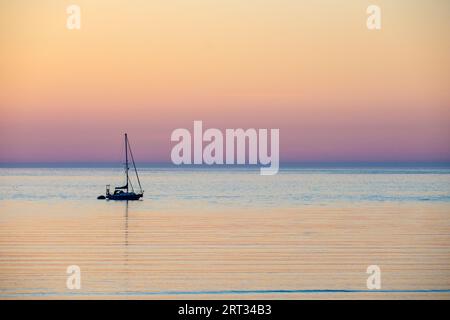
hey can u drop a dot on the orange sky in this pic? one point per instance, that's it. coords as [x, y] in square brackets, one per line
[337, 91]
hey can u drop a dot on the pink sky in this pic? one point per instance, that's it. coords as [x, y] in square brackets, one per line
[336, 91]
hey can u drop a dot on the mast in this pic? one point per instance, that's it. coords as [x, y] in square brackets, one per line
[126, 159]
[135, 170]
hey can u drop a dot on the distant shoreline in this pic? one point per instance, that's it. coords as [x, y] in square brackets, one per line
[286, 165]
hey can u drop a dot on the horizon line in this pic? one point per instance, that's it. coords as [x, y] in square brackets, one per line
[324, 164]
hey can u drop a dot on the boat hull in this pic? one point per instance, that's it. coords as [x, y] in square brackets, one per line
[124, 196]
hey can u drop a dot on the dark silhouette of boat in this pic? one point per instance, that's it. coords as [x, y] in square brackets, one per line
[127, 191]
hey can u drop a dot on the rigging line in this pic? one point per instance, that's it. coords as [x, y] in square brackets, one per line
[131, 184]
[134, 165]
[124, 163]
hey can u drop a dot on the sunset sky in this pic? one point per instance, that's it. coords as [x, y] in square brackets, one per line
[336, 90]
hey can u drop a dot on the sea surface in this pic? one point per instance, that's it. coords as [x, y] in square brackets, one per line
[227, 232]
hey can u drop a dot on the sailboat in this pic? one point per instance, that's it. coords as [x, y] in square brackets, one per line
[127, 191]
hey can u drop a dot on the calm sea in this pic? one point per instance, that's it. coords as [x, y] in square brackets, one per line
[187, 187]
[223, 233]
